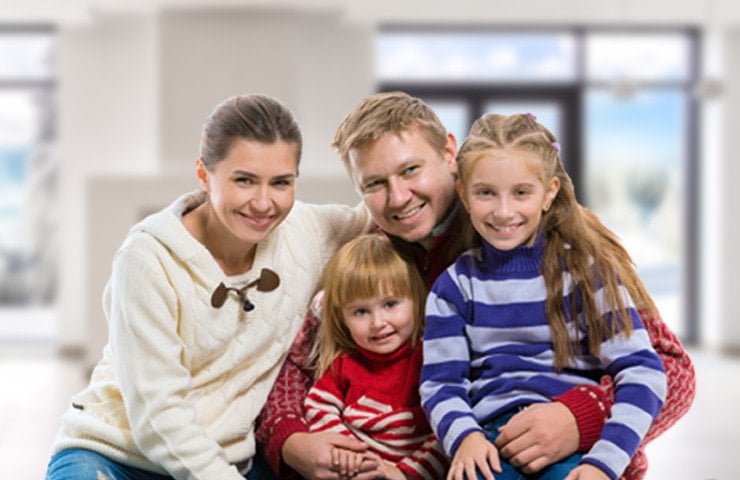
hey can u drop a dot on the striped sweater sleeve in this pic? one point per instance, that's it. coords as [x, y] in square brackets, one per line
[444, 384]
[639, 393]
[324, 406]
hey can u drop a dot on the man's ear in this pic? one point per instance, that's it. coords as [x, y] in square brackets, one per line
[450, 153]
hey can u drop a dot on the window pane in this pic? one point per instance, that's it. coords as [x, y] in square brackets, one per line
[634, 175]
[26, 56]
[637, 57]
[476, 56]
[18, 119]
[454, 116]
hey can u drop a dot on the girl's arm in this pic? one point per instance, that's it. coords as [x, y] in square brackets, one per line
[325, 404]
[446, 367]
[585, 402]
[639, 393]
[429, 461]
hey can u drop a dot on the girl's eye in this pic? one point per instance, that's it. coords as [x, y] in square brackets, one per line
[360, 311]
[483, 192]
[391, 303]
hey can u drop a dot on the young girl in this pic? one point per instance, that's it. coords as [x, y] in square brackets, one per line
[548, 300]
[369, 359]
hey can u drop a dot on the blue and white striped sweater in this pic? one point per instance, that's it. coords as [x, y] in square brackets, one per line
[488, 348]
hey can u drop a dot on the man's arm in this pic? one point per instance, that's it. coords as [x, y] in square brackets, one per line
[679, 371]
[282, 435]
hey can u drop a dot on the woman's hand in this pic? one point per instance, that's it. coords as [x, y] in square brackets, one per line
[538, 436]
[475, 453]
[310, 454]
[586, 472]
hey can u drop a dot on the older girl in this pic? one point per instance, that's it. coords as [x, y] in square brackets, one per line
[548, 301]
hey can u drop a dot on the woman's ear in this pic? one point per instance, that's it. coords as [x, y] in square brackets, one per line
[202, 173]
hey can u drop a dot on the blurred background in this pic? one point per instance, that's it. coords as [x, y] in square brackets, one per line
[102, 101]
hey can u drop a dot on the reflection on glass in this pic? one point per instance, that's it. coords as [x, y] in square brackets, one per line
[26, 56]
[637, 57]
[634, 179]
[18, 120]
[476, 56]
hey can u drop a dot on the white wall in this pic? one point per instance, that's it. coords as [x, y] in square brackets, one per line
[314, 62]
[107, 123]
[728, 228]
[134, 90]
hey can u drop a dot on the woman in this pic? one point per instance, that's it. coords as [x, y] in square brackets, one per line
[204, 300]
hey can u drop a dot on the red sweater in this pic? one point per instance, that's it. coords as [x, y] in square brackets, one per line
[283, 414]
[375, 398]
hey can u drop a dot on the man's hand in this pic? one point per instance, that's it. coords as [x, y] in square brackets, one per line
[310, 454]
[538, 436]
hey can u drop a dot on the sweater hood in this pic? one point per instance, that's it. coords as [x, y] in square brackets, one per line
[167, 227]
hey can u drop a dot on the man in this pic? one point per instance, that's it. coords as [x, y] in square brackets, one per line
[402, 161]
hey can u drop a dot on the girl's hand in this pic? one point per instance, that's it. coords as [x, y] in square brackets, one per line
[346, 462]
[586, 472]
[475, 453]
[385, 470]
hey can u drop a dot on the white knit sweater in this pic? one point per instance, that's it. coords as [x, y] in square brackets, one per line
[180, 383]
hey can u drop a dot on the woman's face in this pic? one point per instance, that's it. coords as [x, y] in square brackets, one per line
[252, 189]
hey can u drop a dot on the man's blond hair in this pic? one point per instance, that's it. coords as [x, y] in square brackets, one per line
[386, 112]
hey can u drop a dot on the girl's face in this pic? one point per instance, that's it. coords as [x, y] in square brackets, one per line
[380, 324]
[506, 197]
[252, 189]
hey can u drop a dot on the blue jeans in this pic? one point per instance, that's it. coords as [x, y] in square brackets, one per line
[81, 464]
[556, 471]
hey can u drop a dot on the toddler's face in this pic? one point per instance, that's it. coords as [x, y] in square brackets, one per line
[380, 324]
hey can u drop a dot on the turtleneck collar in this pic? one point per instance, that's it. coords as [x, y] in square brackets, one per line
[522, 259]
[382, 358]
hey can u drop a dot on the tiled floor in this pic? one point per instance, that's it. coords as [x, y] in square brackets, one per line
[704, 444]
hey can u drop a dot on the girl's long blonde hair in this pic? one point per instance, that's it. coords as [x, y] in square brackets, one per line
[365, 267]
[575, 239]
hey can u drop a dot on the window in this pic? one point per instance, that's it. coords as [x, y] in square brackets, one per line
[27, 176]
[621, 105]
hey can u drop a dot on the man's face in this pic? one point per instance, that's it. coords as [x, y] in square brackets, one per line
[407, 185]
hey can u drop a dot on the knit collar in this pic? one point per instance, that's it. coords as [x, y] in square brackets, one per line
[384, 358]
[522, 259]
